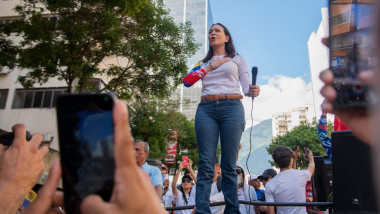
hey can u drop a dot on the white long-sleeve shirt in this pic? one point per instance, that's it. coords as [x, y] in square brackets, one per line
[226, 79]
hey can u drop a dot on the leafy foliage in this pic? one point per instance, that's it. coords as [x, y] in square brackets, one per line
[150, 121]
[70, 39]
[303, 135]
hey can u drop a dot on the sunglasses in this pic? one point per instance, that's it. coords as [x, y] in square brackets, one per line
[186, 181]
[239, 171]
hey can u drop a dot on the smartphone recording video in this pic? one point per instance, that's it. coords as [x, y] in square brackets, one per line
[85, 129]
[185, 160]
[351, 50]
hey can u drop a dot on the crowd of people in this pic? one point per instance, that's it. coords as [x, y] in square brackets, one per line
[140, 188]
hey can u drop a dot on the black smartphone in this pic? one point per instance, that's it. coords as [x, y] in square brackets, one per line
[85, 129]
[351, 50]
[306, 152]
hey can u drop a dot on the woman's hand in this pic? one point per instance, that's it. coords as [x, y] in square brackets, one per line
[190, 164]
[180, 167]
[254, 90]
[220, 61]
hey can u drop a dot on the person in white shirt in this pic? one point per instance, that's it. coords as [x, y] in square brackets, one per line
[184, 196]
[167, 195]
[289, 185]
[245, 193]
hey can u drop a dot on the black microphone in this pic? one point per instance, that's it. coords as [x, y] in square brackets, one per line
[254, 75]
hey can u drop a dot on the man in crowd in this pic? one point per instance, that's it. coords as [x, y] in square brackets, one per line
[141, 153]
[167, 195]
[256, 184]
[267, 175]
[289, 185]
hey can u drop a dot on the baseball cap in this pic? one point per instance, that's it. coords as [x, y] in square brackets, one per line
[163, 166]
[252, 177]
[186, 177]
[267, 173]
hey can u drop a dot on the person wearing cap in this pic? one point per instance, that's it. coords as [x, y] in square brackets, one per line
[185, 195]
[267, 175]
[164, 172]
[289, 185]
[167, 193]
[255, 183]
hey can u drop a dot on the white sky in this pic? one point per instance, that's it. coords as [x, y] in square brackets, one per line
[281, 94]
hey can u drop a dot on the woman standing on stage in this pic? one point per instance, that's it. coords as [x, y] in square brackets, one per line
[220, 114]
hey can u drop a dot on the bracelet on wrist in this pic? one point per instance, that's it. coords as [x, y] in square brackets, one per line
[212, 66]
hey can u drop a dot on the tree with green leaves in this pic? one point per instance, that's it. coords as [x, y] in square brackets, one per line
[301, 136]
[74, 40]
[150, 121]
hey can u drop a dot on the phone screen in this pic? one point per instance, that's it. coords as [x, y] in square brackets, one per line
[351, 49]
[85, 129]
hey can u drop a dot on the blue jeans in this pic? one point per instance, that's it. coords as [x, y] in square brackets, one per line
[224, 118]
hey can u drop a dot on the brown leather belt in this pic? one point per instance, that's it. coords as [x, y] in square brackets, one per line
[217, 97]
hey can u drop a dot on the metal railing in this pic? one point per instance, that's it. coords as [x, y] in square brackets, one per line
[327, 204]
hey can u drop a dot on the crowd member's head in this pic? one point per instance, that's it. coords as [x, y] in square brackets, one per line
[166, 183]
[240, 175]
[254, 181]
[164, 169]
[267, 175]
[282, 156]
[187, 182]
[141, 152]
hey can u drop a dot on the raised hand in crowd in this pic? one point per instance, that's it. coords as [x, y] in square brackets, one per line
[296, 155]
[190, 168]
[20, 167]
[48, 200]
[175, 179]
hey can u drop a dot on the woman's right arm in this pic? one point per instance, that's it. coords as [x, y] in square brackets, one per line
[196, 74]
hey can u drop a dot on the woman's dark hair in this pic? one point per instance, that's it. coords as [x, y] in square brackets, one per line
[230, 49]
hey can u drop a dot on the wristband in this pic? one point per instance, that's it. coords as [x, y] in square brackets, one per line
[212, 66]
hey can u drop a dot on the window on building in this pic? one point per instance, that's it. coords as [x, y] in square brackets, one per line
[3, 98]
[36, 98]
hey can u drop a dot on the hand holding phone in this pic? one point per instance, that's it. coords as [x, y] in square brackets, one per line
[85, 129]
[306, 152]
[351, 50]
[185, 161]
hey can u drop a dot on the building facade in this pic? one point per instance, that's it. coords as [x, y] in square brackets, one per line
[284, 122]
[198, 12]
[318, 59]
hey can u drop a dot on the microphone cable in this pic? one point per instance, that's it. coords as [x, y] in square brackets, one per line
[254, 76]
